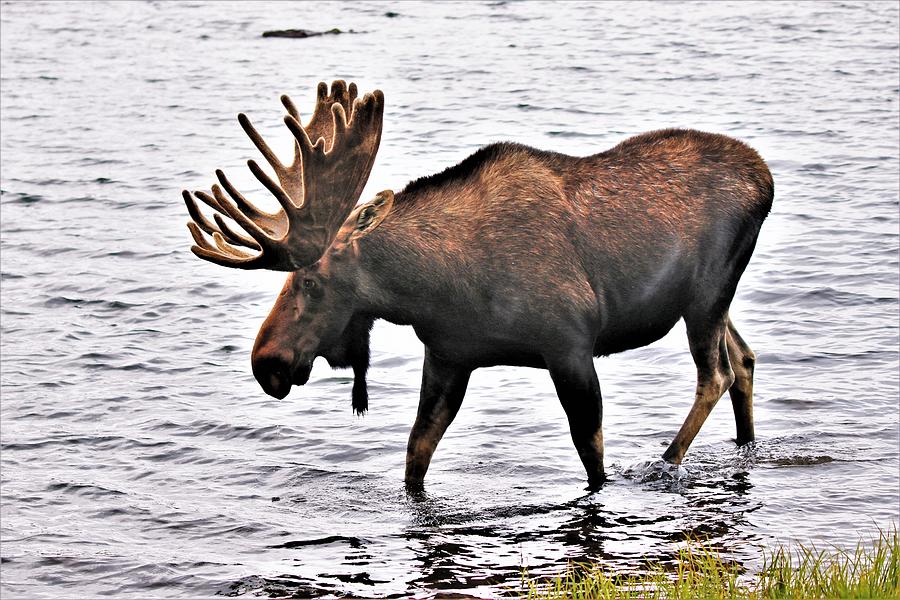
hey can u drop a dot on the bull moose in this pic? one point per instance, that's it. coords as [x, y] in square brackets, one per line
[515, 256]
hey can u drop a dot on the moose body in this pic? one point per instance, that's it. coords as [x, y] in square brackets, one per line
[515, 256]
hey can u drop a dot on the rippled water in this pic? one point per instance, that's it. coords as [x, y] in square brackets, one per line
[139, 456]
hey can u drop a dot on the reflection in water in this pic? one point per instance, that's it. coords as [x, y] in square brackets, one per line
[591, 528]
[460, 539]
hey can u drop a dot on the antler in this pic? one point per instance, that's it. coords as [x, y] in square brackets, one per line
[317, 191]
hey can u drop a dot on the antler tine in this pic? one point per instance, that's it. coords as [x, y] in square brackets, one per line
[232, 236]
[273, 224]
[248, 224]
[199, 240]
[371, 118]
[351, 103]
[266, 221]
[204, 250]
[221, 251]
[225, 247]
[209, 200]
[289, 105]
[320, 124]
[220, 227]
[195, 213]
[225, 252]
[261, 144]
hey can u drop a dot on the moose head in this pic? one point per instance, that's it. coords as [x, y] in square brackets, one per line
[313, 237]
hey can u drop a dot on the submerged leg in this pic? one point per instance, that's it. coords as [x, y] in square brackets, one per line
[714, 376]
[443, 388]
[742, 360]
[579, 392]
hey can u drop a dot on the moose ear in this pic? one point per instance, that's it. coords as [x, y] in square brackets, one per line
[370, 215]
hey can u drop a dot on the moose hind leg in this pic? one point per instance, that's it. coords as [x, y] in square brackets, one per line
[443, 388]
[714, 376]
[743, 361]
[579, 392]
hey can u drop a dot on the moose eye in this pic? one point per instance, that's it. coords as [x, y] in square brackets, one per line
[309, 284]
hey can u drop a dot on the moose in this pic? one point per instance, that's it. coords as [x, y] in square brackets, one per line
[515, 256]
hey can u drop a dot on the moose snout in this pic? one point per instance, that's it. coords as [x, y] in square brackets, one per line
[274, 374]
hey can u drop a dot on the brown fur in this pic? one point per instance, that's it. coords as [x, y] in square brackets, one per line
[523, 257]
[515, 256]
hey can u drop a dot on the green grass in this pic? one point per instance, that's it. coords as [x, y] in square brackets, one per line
[871, 570]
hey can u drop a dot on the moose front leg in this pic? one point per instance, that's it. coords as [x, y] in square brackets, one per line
[579, 392]
[443, 388]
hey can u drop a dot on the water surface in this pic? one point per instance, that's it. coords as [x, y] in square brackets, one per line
[141, 459]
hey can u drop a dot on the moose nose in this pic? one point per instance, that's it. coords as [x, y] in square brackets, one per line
[274, 375]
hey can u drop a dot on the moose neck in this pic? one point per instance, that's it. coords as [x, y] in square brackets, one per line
[404, 275]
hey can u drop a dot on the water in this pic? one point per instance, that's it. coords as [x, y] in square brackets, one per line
[141, 459]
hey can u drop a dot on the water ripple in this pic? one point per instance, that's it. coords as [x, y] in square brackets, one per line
[140, 458]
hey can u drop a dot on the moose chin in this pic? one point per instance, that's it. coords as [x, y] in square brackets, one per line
[515, 256]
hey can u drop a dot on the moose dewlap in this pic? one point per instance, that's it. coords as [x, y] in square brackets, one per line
[515, 256]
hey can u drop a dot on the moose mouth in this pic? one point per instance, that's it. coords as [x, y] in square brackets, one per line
[277, 383]
[301, 374]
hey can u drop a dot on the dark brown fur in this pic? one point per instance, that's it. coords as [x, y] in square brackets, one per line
[522, 257]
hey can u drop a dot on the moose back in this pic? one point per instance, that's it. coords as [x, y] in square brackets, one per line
[515, 256]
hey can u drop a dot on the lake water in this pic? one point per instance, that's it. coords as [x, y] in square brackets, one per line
[141, 459]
